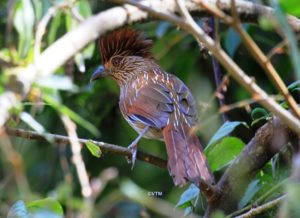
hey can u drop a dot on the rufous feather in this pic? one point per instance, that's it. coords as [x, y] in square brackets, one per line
[125, 42]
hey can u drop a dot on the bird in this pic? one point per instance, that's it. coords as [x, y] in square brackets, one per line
[158, 105]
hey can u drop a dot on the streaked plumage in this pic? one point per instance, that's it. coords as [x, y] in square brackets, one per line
[150, 97]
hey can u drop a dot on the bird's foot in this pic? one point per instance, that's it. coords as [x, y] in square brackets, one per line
[133, 148]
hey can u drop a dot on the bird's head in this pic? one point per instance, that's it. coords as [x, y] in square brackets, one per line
[122, 52]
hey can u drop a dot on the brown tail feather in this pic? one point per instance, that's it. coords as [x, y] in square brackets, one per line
[186, 162]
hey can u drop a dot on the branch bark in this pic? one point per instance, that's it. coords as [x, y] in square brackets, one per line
[105, 147]
[268, 141]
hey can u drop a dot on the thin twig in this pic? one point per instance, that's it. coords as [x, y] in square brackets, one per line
[258, 201]
[105, 147]
[256, 52]
[244, 103]
[76, 156]
[263, 60]
[262, 208]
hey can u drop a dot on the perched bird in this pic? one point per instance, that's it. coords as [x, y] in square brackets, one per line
[156, 104]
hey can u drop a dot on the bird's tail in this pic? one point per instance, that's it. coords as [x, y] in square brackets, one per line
[186, 161]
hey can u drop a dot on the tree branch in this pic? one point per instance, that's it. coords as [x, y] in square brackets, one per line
[256, 52]
[262, 208]
[268, 141]
[105, 147]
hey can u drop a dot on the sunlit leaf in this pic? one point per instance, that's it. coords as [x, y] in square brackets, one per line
[93, 148]
[291, 7]
[46, 206]
[24, 22]
[224, 152]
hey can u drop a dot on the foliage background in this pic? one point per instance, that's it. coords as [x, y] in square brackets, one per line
[48, 168]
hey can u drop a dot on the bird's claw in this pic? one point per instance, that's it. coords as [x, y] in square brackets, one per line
[133, 148]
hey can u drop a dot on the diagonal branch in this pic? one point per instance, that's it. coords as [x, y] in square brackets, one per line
[105, 147]
[263, 208]
[256, 52]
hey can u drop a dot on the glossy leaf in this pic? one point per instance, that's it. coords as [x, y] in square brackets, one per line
[188, 198]
[93, 148]
[291, 7]
[224, 152]
[47, 206]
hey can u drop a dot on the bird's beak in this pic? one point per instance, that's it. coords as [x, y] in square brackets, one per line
[99, 73]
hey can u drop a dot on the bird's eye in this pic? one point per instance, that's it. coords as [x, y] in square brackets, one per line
[116, 61]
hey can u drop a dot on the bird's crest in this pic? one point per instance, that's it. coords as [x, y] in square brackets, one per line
[125, 42]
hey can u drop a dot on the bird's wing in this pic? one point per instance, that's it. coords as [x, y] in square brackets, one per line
[152, 104]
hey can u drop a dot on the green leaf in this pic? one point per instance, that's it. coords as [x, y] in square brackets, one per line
[93, 148]
[24, 22]
[291, 7]
[48, 204]
[74, 116]
[18, 210]
[223, 131]
[54, 26]
[224, 152]
[188, 196]
[259, 114]
[252, 189]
